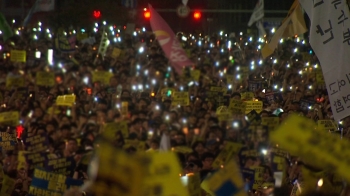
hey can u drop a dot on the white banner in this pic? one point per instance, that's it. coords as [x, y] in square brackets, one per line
[330, 39]
[258, 13]
[44, 5]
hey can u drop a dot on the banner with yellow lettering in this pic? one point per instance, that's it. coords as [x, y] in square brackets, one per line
[47, 183]
[36, 143]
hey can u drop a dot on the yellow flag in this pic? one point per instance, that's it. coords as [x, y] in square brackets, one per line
[293, 25]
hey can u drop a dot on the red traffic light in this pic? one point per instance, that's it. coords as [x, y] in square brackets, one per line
[97, 14]
[197, 15]
[147, 14]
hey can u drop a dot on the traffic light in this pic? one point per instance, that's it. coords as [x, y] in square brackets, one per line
[197, 15]
[146, 14]
[97, 14]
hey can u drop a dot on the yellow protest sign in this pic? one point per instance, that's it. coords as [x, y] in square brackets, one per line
[258, 177]
[124, 110]
[230, 79]
[116, 52]
[248, 96]
[226, 181]
[226, 154]
[195, 75]
[327, 125]
[163, 176]
[237, 106]
[101, 76]
[81, 36]
[318, 148]
[271, 122]
[223, 114]
[116, 173]
[18, 56]
[15, 82]
[65, 100]
[319, 77]
[50, 110]
[254, 105]
[21, 160]
[194, 184]
[138, 145]
[111, 130]
[218, 89]
[9, 118]
[45, 78]
[311, 179]
[180, 98]
[8, 184]
[182, 149]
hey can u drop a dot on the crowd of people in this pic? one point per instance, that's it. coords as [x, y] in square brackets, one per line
[137, 86]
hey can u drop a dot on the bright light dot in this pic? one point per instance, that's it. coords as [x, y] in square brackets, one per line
[95, 30]
[141, 50]
[35, 37]
[303, 42]
[238, 77]
[74, 32]
[273, 30]
[144, 29]
[235, 124]
[251, 39]
[288, 66]
[39, 23]
[47, 30]
[240, 33]
[281, 41]
[281, 89]
[315, 66]
[65, 33]
[39, 29]
[264, 151]
[298, 39]
[96, 24]
[276, 86]
[140, 87]
[119, 39]
[17, 32]
[217, 64]
[154, 81]
[34, 29]
[111, 28]
[135, 34]
[301, 72]
[260, 62]
[259, 47]
[252, 67]
[246, 44]
[275, 61]
[310, 87]
[221, 33]
[237, 68]
[320, 182]
[104, 22]
[307, 64]
[13, 21]
[295, 50]
[115, 39]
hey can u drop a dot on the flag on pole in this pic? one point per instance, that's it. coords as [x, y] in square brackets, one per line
[258, 13]
[5, 28]
[293, 25]
[169, 42]
[330, 40]
[39, 6]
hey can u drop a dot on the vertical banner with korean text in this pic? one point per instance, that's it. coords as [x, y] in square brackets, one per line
[330, 39]
[169, 43]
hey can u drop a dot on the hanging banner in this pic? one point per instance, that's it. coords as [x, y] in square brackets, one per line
[169, 43]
